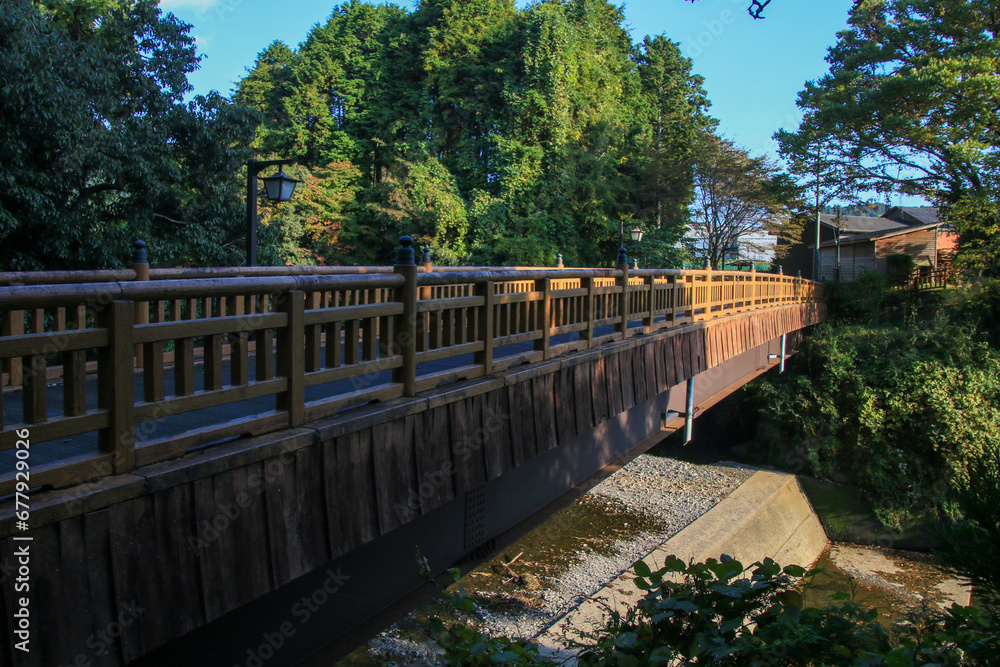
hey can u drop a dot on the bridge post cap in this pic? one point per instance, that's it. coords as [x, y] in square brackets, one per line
[559, 259]
[139, 253]
[780, 271]
[405, 254]
[425, 258]
[622, 256]
[708, 264]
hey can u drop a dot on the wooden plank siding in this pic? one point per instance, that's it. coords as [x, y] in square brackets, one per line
[861, 256]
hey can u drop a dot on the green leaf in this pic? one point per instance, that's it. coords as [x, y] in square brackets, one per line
[728, 591]
[794, 570]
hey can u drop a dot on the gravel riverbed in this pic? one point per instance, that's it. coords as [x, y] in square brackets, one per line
[582, 548]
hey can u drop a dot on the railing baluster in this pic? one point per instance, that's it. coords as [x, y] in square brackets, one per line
[212, 348]
[33, 394]
[239, 346]
[406, 329]
[75, 370]
[647, 324]
[291, 358]
[152, 363]
[543, 316]
[115, 389]
[622, 326]
[485, 326]
[313, 336]
[264, 344]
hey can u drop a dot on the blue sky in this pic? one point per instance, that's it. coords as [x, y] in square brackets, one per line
[753, 69]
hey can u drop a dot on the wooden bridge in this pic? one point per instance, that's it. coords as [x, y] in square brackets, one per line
[197, 459]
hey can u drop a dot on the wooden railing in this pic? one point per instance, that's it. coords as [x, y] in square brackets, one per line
[281, 336]
[933, 279]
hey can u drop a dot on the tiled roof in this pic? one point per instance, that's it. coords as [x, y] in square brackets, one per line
[923, 215]
[881, 234]
[859, 223]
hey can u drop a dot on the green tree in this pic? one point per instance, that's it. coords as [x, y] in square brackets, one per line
[535, 131]
[264, 89]
[737, 197]
[909, 105]
[421, 198]
[675, 105]
[98, 148]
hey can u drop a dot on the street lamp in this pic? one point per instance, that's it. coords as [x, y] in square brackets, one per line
[635, 233]
[279, 187]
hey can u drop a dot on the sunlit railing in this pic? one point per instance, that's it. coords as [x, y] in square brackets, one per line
[127, 353]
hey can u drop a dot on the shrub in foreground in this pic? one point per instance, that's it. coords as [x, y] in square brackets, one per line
[720, 613]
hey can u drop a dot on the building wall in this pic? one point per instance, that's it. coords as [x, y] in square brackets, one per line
[947, 244]
[855, 258]
[920, 245]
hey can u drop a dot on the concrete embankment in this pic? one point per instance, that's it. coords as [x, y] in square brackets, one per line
[767, 516]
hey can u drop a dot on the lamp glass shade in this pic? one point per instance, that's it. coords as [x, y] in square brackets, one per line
[636, 235]
[280, 186]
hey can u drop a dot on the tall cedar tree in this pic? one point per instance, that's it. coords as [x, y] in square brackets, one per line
[493, 134]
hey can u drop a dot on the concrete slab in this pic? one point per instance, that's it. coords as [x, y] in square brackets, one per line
[767, 516]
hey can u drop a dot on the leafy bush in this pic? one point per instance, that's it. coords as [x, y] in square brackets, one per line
[971, 547]
[979, 304]
[720, 613]
[900, 412]
[465, 645]
[899, 265]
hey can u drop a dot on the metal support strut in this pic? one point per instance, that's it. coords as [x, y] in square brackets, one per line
[689, 412]
[781, 366]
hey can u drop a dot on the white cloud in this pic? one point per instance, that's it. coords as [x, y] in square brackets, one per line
[201, 42]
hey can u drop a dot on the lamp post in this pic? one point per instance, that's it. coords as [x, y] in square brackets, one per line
[279, 187]
[635, 234]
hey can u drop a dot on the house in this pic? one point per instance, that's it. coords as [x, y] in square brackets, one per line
[747, 249]
[850, 245]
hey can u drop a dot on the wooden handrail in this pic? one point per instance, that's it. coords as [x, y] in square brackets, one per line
[301, 330]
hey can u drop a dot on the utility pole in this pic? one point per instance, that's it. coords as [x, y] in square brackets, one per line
[815, 271]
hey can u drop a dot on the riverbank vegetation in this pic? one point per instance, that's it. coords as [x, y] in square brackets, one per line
[899, 404]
